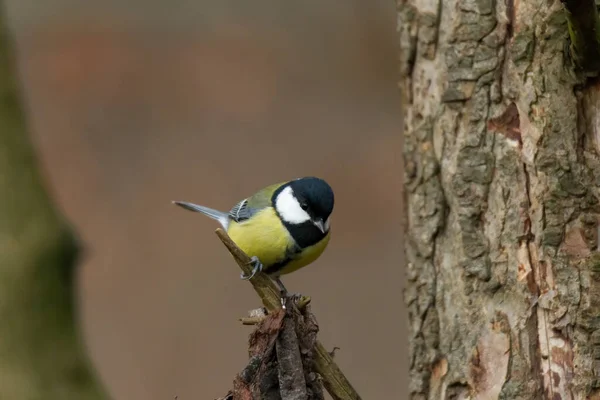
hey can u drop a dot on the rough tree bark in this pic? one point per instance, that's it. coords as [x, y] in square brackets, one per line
[502, 178]
[41, 357]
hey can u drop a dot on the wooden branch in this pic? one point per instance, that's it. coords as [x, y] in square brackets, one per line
[333, 379]
[41, 346]
[252, 320]
[584, 31]
[264, 286]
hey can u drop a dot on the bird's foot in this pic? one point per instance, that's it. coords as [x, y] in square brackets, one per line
[257, 267]
[298, 298]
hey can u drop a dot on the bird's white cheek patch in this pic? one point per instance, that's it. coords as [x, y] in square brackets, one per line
[327, 224]
[289, 208]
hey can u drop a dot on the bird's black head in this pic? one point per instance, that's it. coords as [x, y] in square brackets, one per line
[315, 196]
[305, 206]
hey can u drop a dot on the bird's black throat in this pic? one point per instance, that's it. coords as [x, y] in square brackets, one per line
[305, 234]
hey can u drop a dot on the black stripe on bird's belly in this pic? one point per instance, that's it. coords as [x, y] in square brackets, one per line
[274, 269]
[290, 254]
[305, 235]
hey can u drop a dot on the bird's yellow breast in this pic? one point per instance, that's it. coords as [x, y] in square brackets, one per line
[265, 237]
[306, 256]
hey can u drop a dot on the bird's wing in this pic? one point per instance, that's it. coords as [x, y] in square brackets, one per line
[246, 208]
[240, 211]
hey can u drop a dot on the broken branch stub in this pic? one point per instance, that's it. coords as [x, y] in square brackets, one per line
[286, 360]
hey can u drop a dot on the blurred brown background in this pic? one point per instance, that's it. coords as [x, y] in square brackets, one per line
[133, 104]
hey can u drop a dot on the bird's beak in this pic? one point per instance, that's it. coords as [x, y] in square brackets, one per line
[319, 224]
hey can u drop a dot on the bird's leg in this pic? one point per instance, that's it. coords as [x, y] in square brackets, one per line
[282, 290]
[283, 293]
[257, 268]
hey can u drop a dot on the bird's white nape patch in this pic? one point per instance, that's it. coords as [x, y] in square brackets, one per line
[289, 208]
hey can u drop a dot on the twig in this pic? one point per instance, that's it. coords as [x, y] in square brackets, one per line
[264, 286]
[251, 320]
[333, 379]
[584, 31]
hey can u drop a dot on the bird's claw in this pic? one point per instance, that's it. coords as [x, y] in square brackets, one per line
[257, 268]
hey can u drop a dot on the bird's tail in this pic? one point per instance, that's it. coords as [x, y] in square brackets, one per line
[220, 216]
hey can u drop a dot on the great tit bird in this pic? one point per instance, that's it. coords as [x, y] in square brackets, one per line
[282, 227]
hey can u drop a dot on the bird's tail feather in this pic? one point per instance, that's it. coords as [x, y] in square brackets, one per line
[220, 216]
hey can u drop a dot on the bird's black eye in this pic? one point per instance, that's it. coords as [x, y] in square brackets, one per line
[304, 206]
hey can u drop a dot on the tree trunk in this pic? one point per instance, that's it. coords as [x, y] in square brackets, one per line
[502, 178]
[41, 356]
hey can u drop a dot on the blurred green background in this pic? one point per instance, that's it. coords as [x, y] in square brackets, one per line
[136, 103]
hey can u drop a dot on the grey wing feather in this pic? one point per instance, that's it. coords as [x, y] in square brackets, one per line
[241, 211]
[246, 208]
